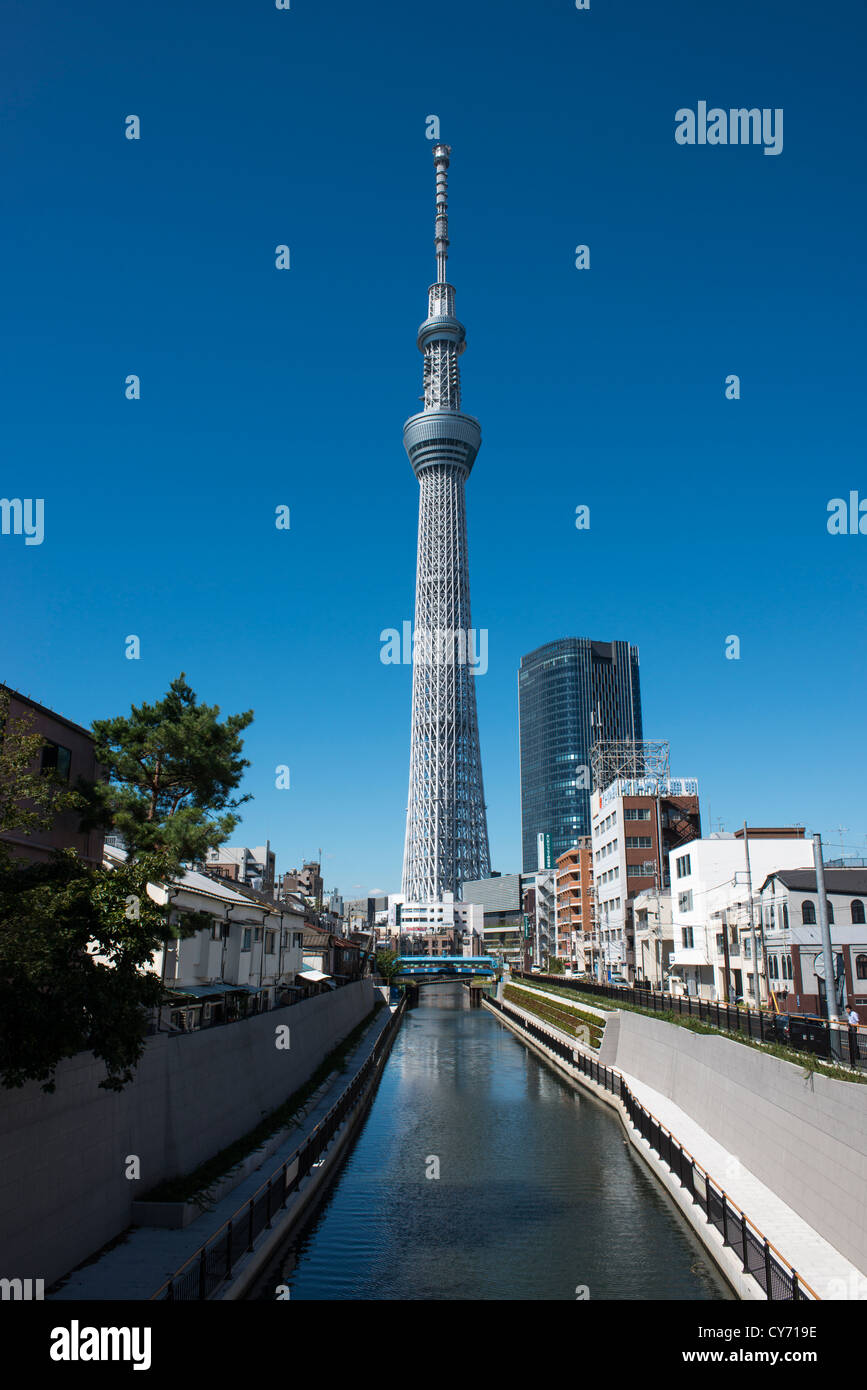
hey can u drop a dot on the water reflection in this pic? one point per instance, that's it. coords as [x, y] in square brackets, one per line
[538, 1190]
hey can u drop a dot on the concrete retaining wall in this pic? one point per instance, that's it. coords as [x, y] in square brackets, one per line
[723, 1255]
[63, 1157]
[804, 1136]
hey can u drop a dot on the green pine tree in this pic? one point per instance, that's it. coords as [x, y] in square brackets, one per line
[172, 768]
[76, 940]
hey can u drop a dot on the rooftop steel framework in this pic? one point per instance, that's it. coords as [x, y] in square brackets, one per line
[613, 760]
[446, 826]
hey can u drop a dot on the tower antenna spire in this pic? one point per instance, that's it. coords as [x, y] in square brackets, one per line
[446, 825]
[441, 236]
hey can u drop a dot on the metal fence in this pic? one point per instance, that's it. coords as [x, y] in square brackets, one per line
[214, 1261]
[802, 1032]
[761, 1259]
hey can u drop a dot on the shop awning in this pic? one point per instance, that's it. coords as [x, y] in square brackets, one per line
[198, 991]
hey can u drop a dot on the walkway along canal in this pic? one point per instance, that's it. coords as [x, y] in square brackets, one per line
[480, 1173]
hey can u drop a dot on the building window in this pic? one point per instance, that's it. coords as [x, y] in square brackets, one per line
[861, 967]
[684, 866]
[684, 902]
[748, 948]
[638, 842]
[57, 760]
[857, 911]
[269, 943]
[830, 911]
[808, 913]
[686, 933]
[247, 939]
[637, 813]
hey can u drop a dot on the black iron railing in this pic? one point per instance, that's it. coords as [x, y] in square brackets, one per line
[214, 1261]
[802, 1032]
[773, 1273]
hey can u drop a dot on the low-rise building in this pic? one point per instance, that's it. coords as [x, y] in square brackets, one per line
[335, 959]
[255, 867]
[448, 917]
[654, 936]
[307, 881]
[69, 753]
[247, 960]
[788, 902]
[713, 914]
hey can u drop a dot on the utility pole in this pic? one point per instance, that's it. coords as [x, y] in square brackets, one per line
[726, 977]
[827, 949]
[753, 944]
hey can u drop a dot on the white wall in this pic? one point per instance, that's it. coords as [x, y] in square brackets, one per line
[718, 881]
[63, 1189]
[806, 1139]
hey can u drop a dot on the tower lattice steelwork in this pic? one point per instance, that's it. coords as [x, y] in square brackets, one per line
[446, 828]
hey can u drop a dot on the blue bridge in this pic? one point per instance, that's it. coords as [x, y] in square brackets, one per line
[423, 967]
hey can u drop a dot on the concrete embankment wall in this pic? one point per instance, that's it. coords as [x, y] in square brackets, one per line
[63, 1157]
[803, 1135]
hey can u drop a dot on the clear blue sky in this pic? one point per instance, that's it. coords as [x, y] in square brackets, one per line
[605, 387]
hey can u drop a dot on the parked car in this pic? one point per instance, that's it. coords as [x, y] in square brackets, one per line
[618, 980]
[807, 1032]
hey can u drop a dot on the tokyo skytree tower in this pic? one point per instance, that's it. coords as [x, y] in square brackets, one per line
[446, 827]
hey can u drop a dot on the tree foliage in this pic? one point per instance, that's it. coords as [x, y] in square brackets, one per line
[172, 768]
[386, 964]
[29, 798]
[77, 940]
[76, 943]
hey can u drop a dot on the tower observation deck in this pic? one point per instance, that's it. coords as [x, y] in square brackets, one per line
[446, 826]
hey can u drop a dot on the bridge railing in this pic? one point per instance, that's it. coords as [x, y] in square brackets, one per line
[771, 1270]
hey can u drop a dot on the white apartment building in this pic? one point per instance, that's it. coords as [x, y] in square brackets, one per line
[449, 915]
[256, 866]
[634, 820]
[654, 939]
[711, 907]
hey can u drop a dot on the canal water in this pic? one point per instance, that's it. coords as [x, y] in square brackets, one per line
[539, 1196]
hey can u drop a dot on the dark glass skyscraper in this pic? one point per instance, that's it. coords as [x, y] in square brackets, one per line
[570, 693]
